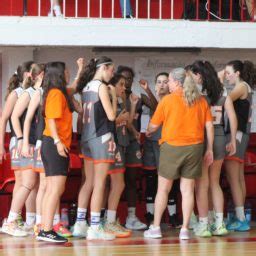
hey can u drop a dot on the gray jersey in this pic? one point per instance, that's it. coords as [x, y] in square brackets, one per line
[95, 121]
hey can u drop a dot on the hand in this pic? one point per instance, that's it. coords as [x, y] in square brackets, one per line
[26, 150]
[2, 154]
[148, 134]
[231, 148]
[208, 158]
[134, 99]
[62, 149]
[80, 63]
[143, 84]
[112, 91]
[19, 147]
[137, 136]
[123, 116]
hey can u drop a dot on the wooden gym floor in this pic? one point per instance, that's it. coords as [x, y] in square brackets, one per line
[233, 244]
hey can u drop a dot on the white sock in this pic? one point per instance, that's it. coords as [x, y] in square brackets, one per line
[57, 10]
[30, 218]
[81, 214]
[172, 209]
[203, 221]
[38, 219]
[211, 216]
[56, 219]
[219, 218]
[240, 213]
[150, 208]
[111, 216]
[95, 219]
[131, 212]
[12, 216]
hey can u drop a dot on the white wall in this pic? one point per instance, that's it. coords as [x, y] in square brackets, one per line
[146, 64]
[126, 32]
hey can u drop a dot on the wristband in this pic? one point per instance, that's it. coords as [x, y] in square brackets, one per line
[20, 138]
[56, 141]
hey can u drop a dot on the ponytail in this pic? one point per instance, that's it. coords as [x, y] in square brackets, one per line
[90, 71]
[190, 90]
[246, 69]
[12, 84]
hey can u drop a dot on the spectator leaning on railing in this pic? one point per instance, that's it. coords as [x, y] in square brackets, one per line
[126, 12]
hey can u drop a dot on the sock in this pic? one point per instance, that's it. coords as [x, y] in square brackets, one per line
[219, 218]
[203, 221]
[30, 218]
[12, 216]
[240, 213]
[56, 219]
[211, 216]
[102, 213]
[111, 216]
[81, 214]
[57, 10]
[150, 208]
[95, 219]
[131, 212]
[38, 219]
[172, 208]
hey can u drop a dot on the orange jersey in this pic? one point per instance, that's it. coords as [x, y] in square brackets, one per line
[182, 125]
[56, 107]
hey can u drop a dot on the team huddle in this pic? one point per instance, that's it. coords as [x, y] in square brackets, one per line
[195, 126]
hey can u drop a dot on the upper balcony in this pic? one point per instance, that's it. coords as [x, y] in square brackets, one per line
[129, 23]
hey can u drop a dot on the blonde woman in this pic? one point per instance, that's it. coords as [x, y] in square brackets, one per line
[185, 115]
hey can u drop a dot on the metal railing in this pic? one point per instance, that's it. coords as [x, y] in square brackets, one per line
[222, 10]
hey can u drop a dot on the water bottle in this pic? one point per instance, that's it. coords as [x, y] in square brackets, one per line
[64, 217]
[248, 212]
[72, 214]
[230, 213]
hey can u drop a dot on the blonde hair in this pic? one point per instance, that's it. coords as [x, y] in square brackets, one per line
[35, 70]
[190, 91]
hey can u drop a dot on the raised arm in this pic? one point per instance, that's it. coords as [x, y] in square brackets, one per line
[109, 107]
[80, 66]
[150, 100]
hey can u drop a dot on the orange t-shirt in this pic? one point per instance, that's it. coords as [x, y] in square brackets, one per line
[56, 107]
[182, 125]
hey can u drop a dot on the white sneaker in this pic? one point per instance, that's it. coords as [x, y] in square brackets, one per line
[202, 230]
[80, 229]
[133, 223]
[28, 229]
[184, 234]
[13, 229]
[153, 232]
[99, 234]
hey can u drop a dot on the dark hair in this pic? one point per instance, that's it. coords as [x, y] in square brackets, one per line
[90, 70]
[161, 74]
[122, 69]
[17, 77]
[54, 78]
[210, 81]
[247, 71]
[115, 79]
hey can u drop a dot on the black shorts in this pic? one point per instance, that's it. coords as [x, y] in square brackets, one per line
[54, 164]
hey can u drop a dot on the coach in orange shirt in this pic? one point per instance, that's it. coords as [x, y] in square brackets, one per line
[184, 115]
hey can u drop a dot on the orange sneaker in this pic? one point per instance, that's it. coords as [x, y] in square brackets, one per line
[61, 230]
[116, 229]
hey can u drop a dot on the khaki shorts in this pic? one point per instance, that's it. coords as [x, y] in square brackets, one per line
[180, 161]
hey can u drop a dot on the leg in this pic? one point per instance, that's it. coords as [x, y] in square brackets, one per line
[131, 189]
[29, 179]
[187, 191]
[242, 180]
[39, 198]
[31, 206]
[18, 181]
[54, 189]
[163, 190]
